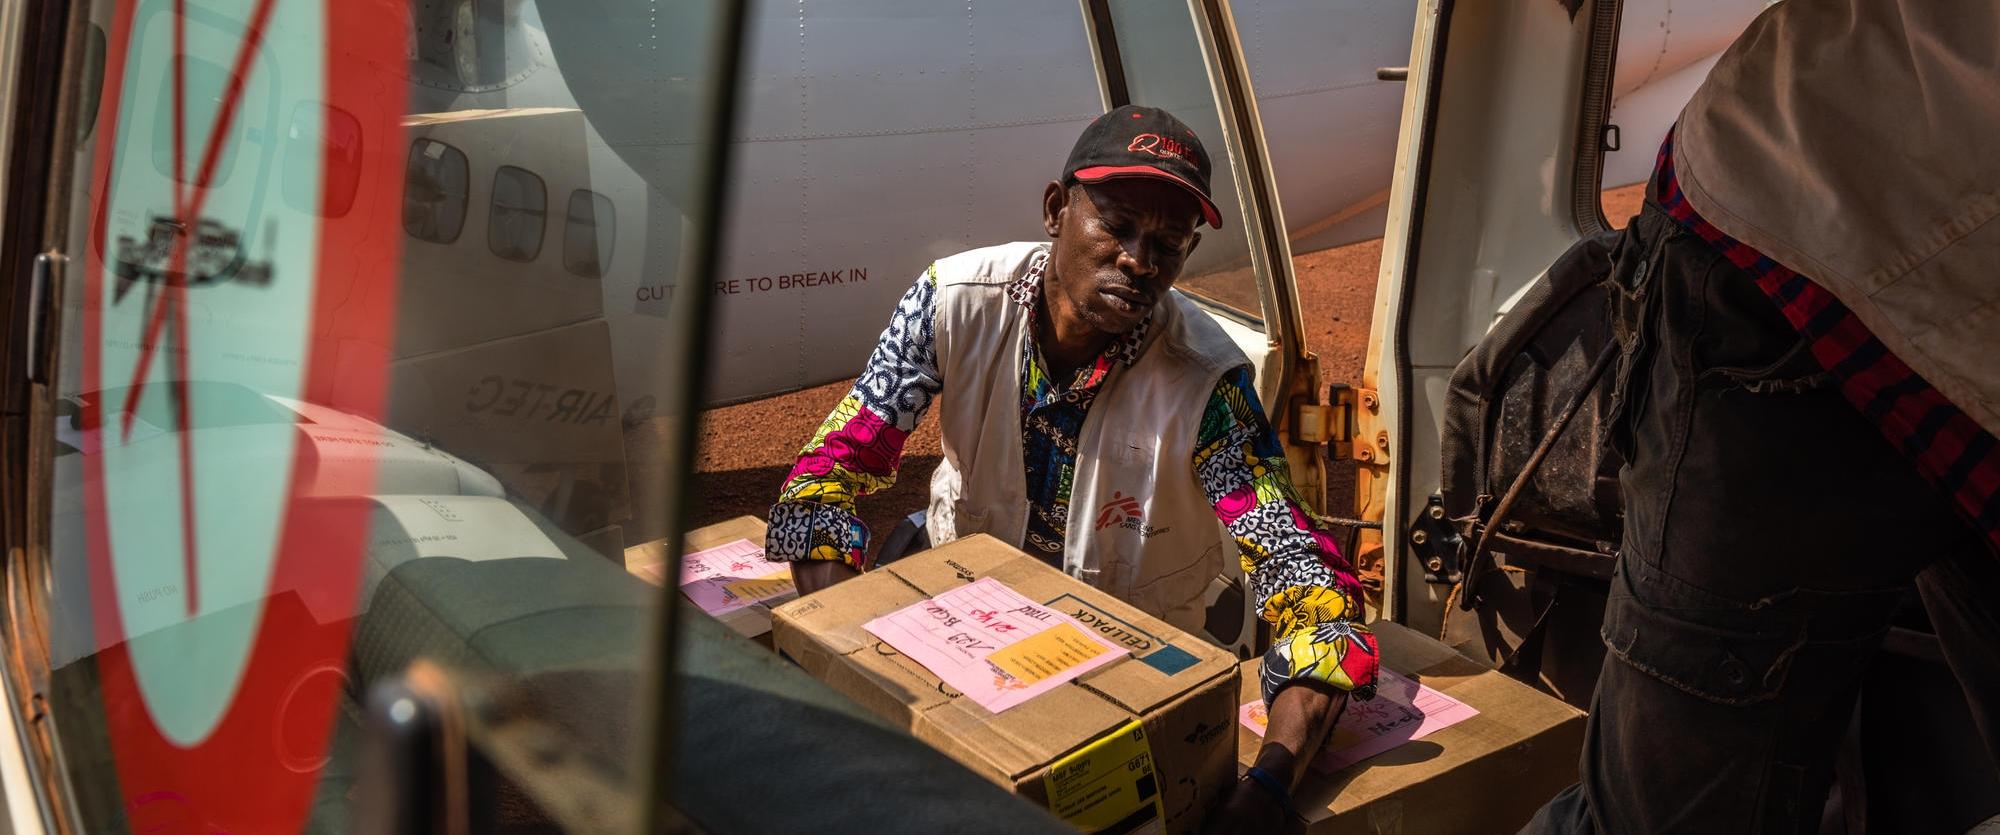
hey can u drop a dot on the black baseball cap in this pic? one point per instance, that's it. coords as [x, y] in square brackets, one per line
[1136, 141]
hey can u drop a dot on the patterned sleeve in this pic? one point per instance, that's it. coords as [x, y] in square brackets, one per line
[859, 446]
[1303, 586]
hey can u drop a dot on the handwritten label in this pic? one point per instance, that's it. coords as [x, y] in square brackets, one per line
[1401, 711]
[730, 576]
[993, 645]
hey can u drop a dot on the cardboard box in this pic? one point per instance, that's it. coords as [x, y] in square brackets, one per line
[1140, 742]
[538, 412]
[752, 621]
[1488, 773]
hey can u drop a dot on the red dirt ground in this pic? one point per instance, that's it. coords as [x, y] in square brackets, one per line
[747, 449]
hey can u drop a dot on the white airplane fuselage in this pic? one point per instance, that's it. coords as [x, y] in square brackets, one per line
[878, 135]
[550, 150]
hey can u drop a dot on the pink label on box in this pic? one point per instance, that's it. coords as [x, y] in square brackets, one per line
[998, 648]
[1401, 711]
[731, 576]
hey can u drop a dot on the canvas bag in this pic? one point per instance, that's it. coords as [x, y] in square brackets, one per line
[1530, 473]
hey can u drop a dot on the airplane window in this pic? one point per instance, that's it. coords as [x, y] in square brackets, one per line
[322, 136]
[589, 230]
[517, 217]
[1163, 68]
[434, 192]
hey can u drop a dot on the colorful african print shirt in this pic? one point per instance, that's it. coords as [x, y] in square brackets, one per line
[1304, 587]
[1052, 420]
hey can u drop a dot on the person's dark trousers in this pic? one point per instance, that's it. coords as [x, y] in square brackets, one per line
[908, 538]
[1770, 532]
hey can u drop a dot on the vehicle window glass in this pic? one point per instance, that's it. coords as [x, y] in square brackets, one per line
[199, 74]
[327, 422]
[520, 210]
[434, 192]
[1163, 68]
[589, 230]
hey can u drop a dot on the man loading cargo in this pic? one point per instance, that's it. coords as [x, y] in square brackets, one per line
[1808, 399]
[1068, 375]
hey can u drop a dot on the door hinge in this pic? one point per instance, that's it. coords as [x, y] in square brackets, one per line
[1357, 411]
[1311, 423]
[1340, 401]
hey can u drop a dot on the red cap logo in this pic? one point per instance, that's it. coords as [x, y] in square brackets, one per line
[1159, 146]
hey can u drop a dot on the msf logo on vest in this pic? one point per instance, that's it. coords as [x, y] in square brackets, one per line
[1124, 512]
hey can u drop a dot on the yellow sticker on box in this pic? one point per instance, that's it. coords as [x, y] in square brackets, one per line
[1046, 653]
[1109, 786]
[763, 587]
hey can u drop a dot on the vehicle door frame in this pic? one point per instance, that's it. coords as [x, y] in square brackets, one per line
[1449, 262]
[41, 80]
[1288, 381]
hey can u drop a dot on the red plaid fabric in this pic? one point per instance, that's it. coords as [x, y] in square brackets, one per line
[1951, 450]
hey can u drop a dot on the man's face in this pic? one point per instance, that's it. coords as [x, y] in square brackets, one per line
[1119, 246]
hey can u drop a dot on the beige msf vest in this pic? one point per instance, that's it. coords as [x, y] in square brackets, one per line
[1140, 526]
[1852, 140]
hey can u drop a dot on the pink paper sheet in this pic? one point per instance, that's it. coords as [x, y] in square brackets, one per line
[1401, 711]
[706, 576]
[961, 637]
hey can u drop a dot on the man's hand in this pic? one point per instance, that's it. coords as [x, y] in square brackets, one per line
[812, 575]
[1250, 810]
[1301, 719]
